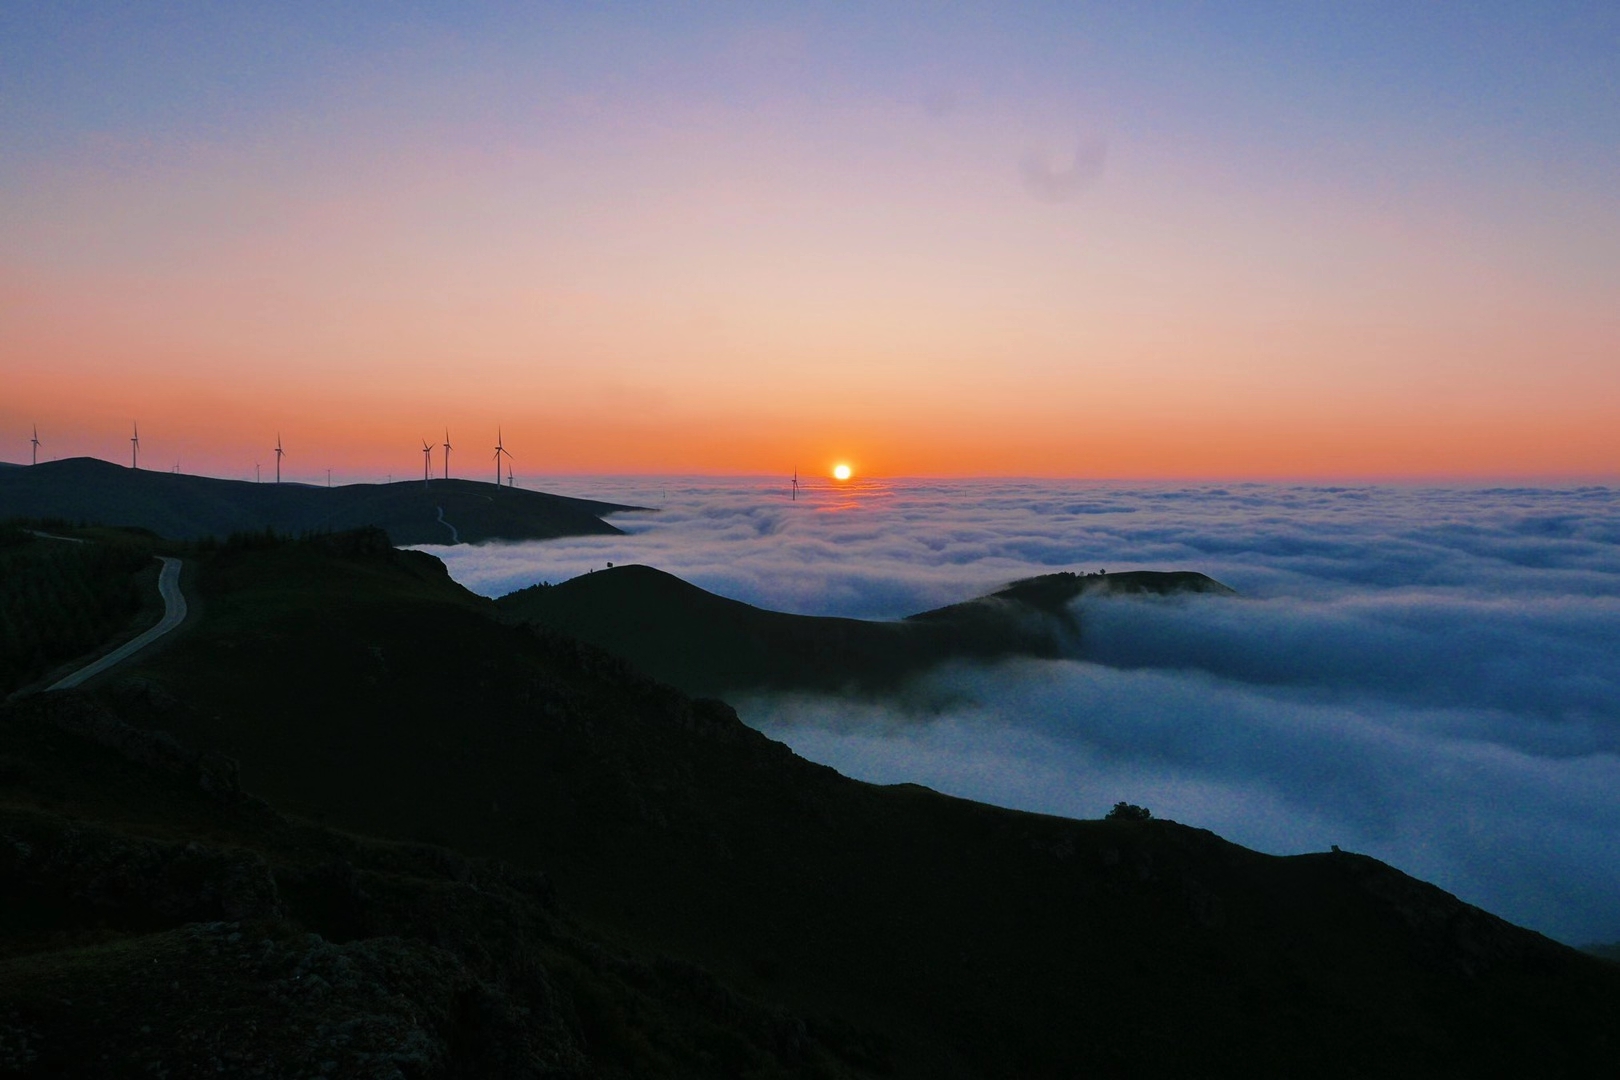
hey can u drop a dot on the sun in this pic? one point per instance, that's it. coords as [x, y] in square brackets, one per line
[842, 472]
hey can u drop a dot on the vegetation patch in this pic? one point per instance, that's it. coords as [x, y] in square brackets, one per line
[60, 599]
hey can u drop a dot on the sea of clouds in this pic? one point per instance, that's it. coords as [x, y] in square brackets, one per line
[1427, 675]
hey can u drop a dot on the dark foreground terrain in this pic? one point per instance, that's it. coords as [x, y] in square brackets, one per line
[356, 821]
[186, 507]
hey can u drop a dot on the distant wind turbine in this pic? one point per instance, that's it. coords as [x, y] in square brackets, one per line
[36, 444]
[427, 461]
[279, 452]
[447, 453]
[135, 448]
[500, 449]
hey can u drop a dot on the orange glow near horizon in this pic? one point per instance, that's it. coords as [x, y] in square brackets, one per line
[1220, 405]
[696, 286]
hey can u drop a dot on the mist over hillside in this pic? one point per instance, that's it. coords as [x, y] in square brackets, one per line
[515, 852]
[1427, 674]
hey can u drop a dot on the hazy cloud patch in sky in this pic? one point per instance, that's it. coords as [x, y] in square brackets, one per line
[1428, 675]
[1051, 182]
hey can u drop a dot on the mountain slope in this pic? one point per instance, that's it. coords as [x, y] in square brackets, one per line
[159, 920]
[915, 933]
[62, 598]
[707, 644]
[189, 507]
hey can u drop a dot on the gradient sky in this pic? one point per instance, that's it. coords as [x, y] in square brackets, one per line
[1234, 240]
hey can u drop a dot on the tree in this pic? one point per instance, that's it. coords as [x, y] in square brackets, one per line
[1124, 811]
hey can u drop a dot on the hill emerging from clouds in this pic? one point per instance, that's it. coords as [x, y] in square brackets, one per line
[186, 507]
[708, 644]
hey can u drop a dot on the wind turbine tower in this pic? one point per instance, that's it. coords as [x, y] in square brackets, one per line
[795, 483]
[135, 448]
[279, 452]
[36, 444]
[500, 449]
[427, 461]
[447, 453]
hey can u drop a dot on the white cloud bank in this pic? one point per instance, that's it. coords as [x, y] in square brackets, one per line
[1431, 676]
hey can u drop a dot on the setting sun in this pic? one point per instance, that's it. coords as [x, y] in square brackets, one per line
[841, 472]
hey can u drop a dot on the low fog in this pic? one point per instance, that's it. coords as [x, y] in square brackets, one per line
[1425, 675]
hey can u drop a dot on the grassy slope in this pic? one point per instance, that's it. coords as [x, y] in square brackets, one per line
[62, 602]
[707, 644]
[944, 937]
[190, 507]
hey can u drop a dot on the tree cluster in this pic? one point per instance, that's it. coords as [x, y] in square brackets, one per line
[59, 600]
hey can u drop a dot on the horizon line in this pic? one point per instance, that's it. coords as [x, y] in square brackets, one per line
[1371, 479]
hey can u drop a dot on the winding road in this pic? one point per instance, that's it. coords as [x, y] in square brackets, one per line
[174, 613]
[455, 537]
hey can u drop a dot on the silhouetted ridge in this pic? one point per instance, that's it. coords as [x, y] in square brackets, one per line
[708, 644]
[190, 507]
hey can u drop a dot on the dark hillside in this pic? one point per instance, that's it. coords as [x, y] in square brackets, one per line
[916, 934]
[62, 598]
[707, 644]
[157, 920]
[190, 507]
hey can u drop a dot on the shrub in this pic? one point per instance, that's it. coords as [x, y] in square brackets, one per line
[1124, 811]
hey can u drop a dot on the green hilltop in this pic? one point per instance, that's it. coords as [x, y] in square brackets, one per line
[488, 848]
[184, 507]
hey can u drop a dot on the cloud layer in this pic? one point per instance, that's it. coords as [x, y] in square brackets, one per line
[1426, 675]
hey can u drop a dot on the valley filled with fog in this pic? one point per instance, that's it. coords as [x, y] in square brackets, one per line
[1426, 675]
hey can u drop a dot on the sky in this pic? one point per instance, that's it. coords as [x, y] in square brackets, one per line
[1235, 241]
[1422, 674]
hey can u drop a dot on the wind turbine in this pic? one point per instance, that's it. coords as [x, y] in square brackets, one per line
[427, 461]
[36, 444]
[447, 453]
[279, 452]
[795, 483]
[135, 448]
[499, 450]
